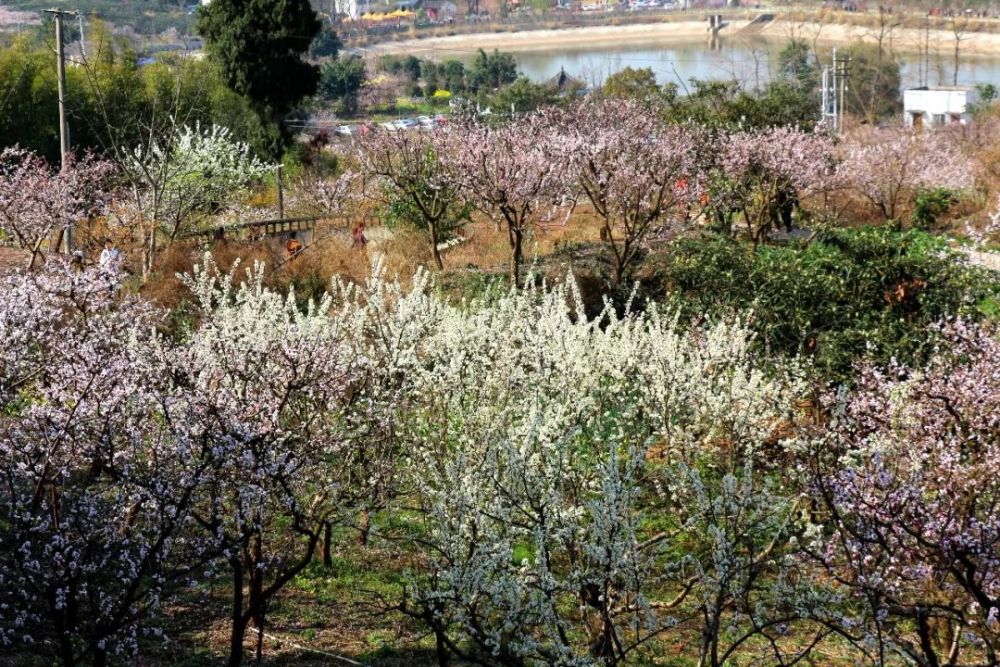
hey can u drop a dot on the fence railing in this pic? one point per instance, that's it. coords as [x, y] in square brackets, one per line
[280, 226]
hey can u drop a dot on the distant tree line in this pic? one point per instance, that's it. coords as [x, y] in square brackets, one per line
[253, 78]
[112, 101]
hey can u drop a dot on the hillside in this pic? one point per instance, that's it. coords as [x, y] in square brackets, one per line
[145, 16]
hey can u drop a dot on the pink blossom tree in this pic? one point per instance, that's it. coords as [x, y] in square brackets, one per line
[410, 182]
[36, 202]
[635, 171]
[760, 171]
[886, 166]
[95, 490]
[913, 502]
[512, 173]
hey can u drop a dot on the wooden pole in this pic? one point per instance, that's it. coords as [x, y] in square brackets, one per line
[281, 193]
[63, 125]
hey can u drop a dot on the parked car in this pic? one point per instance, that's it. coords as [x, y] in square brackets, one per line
[406, 124]
[388, 125]
[344, 130]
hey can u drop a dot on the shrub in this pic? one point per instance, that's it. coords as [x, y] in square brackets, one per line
[869, 292]
[441, 96]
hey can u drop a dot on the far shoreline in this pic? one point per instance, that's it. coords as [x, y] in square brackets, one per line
[905, 40]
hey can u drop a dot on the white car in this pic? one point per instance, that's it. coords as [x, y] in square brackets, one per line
[388, 125]
[344, 130]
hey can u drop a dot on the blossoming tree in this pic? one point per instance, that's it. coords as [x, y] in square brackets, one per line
[195, 170]
[532, 448]
[96, 490]
[634, 171]
[887, 165]
[411, 182]
[913, 508]
[36, 202]
[512, 173]
[761, 170]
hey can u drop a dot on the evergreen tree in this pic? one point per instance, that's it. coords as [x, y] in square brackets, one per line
[341, 80]
[259, 45]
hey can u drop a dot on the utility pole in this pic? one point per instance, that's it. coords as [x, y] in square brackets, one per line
[281, 192]
[63, 125]
[841, 71]
[828, 98]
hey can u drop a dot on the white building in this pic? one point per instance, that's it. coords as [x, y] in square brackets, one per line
[348, 8]
[938, 105]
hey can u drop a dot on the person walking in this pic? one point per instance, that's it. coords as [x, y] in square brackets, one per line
[359, 236]
[110, 259]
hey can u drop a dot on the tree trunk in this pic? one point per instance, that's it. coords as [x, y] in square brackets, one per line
[955, 78]
[364, 527]
[149, 248]
[66, 656]
[327, 539]
[516, 240]
[256, 601]
[239, 627]
[434, 247]
[443, 657]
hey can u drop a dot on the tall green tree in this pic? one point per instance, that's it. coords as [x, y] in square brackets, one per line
[491, 71]
[259, 45]
[327, 43]
[874, 83]
[28, 103]
[633, 83]
[341, 81]
[727, 104]
[797, 65]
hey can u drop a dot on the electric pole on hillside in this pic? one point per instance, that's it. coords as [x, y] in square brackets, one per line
[842, 70]
[63, 125]
[833, 90]
[828, 96]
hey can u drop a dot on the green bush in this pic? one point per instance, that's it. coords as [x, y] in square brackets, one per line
[851, 294]
[930, 204]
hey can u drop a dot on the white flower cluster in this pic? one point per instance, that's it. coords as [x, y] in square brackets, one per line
[532, 434]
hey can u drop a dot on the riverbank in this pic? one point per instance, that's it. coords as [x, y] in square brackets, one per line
[904, 39]
[556, 38]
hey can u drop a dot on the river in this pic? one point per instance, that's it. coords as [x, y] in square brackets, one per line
[750, 59]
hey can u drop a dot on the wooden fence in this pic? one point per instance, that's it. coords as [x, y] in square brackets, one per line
[280, 227]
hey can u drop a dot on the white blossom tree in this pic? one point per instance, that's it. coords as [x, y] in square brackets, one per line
[195, 170]
[533, 444]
